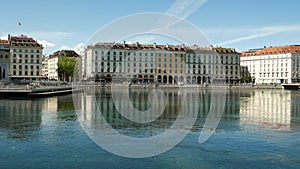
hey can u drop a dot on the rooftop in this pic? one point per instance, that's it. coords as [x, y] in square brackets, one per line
[293, 49]
[166, 47]
[23, 41]
[4, 42]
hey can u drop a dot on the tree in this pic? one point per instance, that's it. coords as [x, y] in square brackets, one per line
[66, 66]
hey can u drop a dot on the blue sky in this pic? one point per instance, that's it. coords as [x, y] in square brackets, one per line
[240, 24]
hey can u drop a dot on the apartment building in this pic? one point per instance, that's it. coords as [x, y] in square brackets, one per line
[4, 59]
[273, 64]
[166, 64]
[230, 65]
[25, 58]
[45, 65]
[53, 61]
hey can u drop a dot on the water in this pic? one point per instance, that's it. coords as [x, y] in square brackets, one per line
[258, 130]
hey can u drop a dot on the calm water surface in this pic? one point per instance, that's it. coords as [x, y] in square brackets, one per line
[259, 129]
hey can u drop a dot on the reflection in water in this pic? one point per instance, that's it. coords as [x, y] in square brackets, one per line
[140, 100]
[268, 108]
[273, 109]
[42, 133]
[20, 116]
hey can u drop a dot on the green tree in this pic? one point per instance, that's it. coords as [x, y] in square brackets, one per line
[66, 67]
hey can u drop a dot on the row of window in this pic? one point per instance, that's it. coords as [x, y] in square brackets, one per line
[107, 64]
[26, 56]
[26, 50]
[4, 56]
[26, 73]
[274, 74]
[26, 67]
[209, 57]
[165, 59]
[114, 53]
[26, 61]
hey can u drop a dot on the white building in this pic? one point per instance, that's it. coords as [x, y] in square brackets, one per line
[163, 64]
[273, 64]
[45, 66]
[52, 68]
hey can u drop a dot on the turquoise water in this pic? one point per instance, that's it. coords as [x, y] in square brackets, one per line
[259, 129]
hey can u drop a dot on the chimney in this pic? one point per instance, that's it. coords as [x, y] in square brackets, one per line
[124, 44]
[154, 45]
[137, 44]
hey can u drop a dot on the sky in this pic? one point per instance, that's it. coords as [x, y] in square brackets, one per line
[68, 24]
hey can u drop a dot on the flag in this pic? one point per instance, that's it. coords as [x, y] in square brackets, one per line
[19, 23]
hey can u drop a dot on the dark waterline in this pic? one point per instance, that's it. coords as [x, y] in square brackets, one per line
[258, 130]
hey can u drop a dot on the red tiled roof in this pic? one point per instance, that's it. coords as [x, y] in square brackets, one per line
[293, 49]
[23, 41]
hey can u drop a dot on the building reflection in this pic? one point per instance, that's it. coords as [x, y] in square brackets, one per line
[269, 108]
[20, 117]
[177, 101]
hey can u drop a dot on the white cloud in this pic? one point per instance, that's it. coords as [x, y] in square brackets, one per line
[46, 43]
[3, 37]
[79, 48]
[64, 47]
[180, 8]
[184, 9]
[254, 33]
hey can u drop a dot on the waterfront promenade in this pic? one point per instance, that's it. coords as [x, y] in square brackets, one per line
[27, 91]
